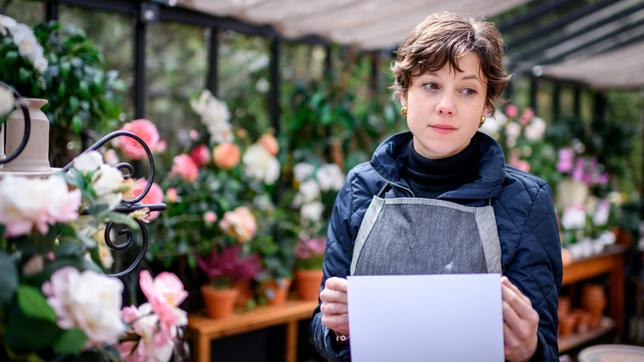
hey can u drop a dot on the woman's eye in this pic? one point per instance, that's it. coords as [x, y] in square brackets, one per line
[430, 86]
[468, 91]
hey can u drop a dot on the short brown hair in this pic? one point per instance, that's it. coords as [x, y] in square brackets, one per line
[444, 37]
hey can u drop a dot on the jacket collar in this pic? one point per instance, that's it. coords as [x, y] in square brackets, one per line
[389, 160]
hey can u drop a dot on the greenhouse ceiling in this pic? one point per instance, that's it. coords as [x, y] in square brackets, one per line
[368, 24]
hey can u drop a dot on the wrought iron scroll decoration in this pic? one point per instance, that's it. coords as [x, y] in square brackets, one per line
[126, 206]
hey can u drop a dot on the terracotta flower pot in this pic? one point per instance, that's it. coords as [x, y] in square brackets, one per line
[567, 325]
[219, 302]
[593, 300]
[308, 283]
[245, 292]
[564, 307]
[276, 290]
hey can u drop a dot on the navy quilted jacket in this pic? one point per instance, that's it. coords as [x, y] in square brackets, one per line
[525, 217]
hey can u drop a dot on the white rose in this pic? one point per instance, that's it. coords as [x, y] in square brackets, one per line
[88, 161]
[302, 171]
[330, 177]
[6, 23]
[512, 132]
[25, 203]
[500, 118]
[602, 212]
[309, 191]
[106, 182]
[261, 165]
[312, 211]
[490, 127]
[573, 218]
[7, 100]
[87, 300]
[535, 130]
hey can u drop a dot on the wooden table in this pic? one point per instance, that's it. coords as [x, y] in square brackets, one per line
[610, 262]
[204, 329]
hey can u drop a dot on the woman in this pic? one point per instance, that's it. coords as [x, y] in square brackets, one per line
[447, 75]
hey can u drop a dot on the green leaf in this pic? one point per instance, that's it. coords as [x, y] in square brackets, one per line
[33, 304]
[29, 334]
[77, 123]
[70, 342]
[8, 278]
[123, 219]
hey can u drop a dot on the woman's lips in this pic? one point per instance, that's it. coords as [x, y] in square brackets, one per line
[442, 128]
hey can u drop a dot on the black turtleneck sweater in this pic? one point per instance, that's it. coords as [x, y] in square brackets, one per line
[430, 178]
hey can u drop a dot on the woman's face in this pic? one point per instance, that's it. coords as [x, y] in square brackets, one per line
[444, 108]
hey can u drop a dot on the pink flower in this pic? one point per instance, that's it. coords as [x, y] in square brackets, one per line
[519, 164]
[269, 143]
[154, 196]
[565, 162]
[164, 294]
[307, 248]
[511, 111]
[154, 344]
[185, 167]
[526, 116]
[147, 131]
[209, 217]
[603, 179]
[171, 195]
[239, 224]
[194, 134]
[200, 155]
[226, 155]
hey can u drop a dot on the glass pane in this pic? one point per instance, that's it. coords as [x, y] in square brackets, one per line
[244, 80]
[567, 102]
[114, 35]
[25, 11]
[521, 96]
[544, 100]
[175, 73]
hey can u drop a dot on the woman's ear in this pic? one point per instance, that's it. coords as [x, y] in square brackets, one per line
[403, 99]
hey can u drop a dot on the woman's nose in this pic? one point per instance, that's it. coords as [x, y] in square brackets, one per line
[445, 106]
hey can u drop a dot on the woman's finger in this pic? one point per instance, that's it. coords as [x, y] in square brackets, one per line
[334, 308]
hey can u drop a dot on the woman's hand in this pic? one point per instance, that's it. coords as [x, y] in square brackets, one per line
[520, 323]
[334, 305]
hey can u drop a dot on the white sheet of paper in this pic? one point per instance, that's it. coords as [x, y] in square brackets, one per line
[447, 318]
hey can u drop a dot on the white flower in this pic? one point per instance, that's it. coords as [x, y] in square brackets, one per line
[330, 177]
[107, 182]
[309, 191]
[573, 218]
[302, 171]
[28, 46]
[6, 100]
[6, 23]
[260, 165]
[110, 157]
[25, 203]
[500, 118]
[215, 116]
[602, 212]
[263, 202]
[88, 301]
[88, 161]
[312, 211]
[104, 252]
[512, 132]
[535, 130]
[152, 347]
[262, 85]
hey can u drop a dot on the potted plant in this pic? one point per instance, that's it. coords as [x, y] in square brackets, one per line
[309, 253]
[224, 267]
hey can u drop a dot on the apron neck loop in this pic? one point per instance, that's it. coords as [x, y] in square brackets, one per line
[383, 190]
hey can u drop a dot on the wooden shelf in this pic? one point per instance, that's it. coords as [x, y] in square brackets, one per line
[577, 339]
[203, 329]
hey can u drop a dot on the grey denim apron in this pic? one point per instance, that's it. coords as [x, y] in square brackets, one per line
[409, 235]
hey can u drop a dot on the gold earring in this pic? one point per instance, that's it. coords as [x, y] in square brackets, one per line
[482, 121]
[403, 111]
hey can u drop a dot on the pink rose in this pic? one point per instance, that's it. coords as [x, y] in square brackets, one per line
[147, 131]
[154, 196]
[164, 293]
[239, 223]
[171, 195]
[519, 164]
[194, 134]
[209, 218]
[200, 155]
[526, 116]
[269, 143]
[185, 167]
[511, 111]
[226, 155]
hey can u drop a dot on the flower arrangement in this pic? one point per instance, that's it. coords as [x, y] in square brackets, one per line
[56, 297]
[309, 252]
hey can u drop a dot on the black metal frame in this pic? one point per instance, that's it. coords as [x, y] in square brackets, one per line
[126, 206]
